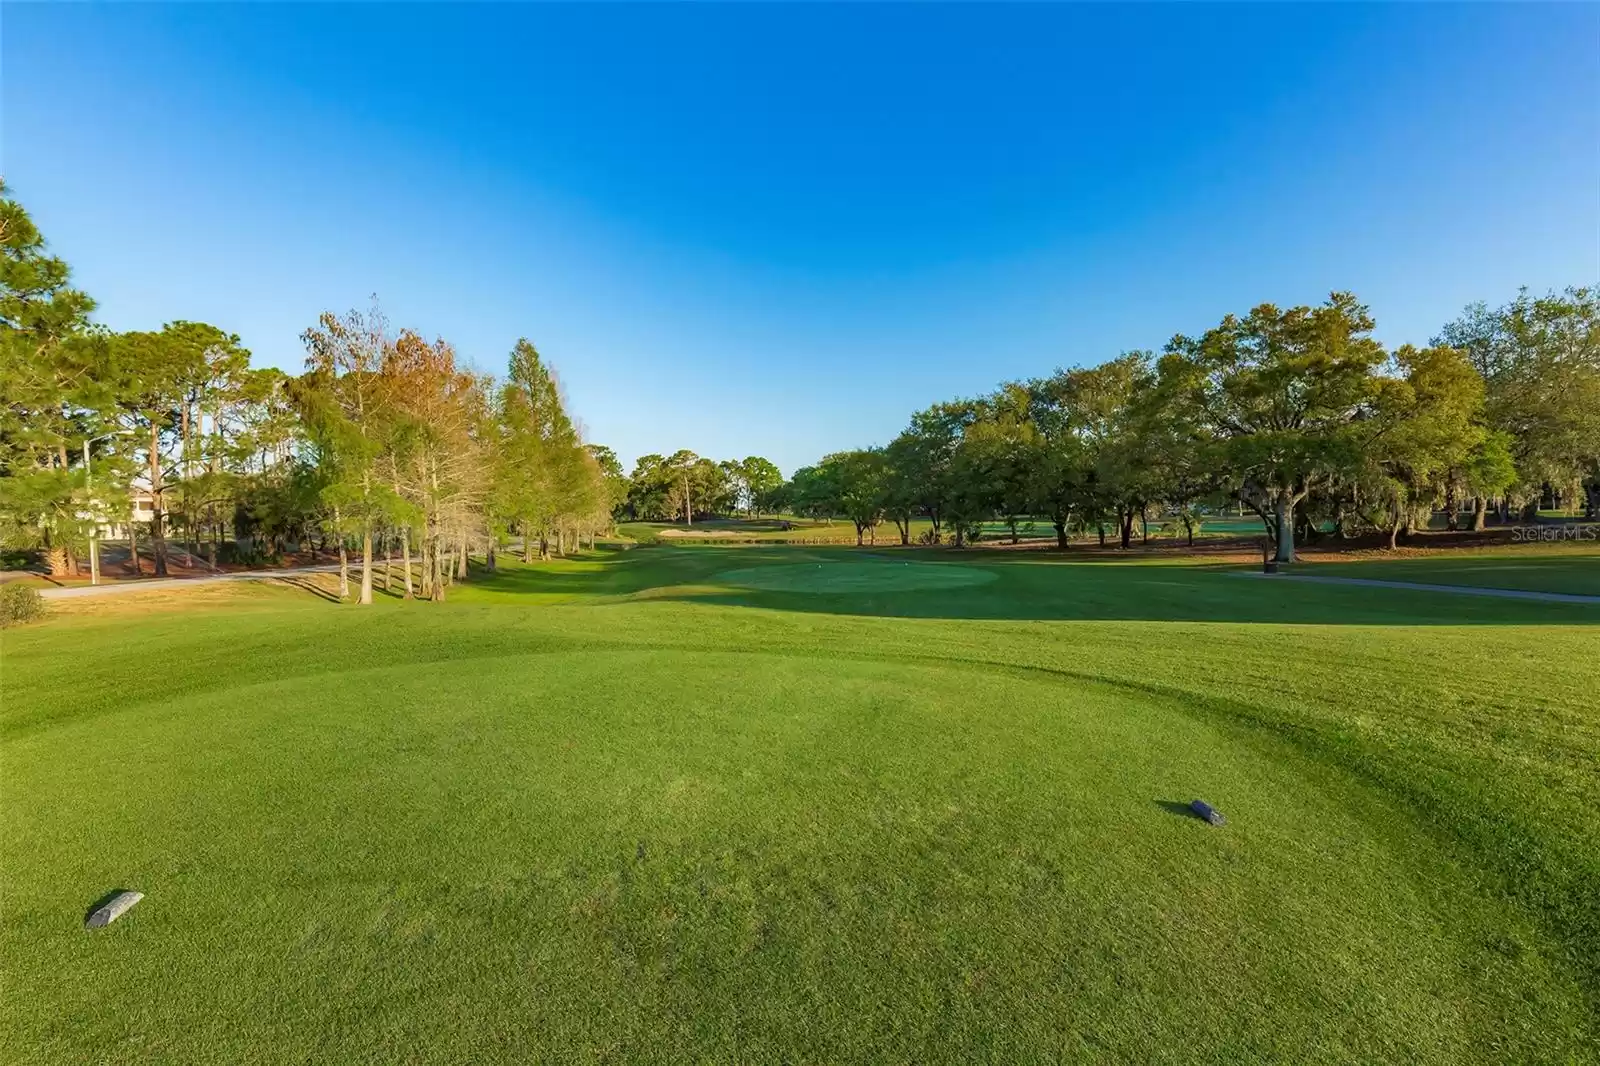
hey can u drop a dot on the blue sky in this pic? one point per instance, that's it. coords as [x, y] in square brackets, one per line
[779, 230]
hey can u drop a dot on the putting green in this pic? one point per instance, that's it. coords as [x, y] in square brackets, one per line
[856, 577]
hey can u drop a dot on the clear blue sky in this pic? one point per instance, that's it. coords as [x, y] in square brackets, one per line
[780, 230]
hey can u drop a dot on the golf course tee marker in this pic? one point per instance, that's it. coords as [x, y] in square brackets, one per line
[112, 909]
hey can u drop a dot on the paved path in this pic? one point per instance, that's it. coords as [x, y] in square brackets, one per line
[1417, 586]
[115, 587]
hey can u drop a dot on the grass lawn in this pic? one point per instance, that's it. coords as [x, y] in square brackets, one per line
[756, 804]
[1571, 568]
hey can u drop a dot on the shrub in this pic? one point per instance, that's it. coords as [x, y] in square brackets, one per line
[19, 603]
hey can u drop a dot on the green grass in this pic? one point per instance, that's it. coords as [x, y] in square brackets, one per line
[785, 804]
[1570, 568]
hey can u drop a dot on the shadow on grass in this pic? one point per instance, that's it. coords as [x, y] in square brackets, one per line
[1181, 810]
[306, 584]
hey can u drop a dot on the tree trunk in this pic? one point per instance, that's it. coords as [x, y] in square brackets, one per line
[490, 556]
[1480, 513]
[438, 573]
[186, 472]
[1126, 522]
[158, 541]
[858, 534]
[1188, 529]
[405, 560]
[1100, 527]
[1284, 508]
[461, 560]
[366, 565]
[344, 571]
[1061, 534]
[388, 563]
[133, 549]
[427, 569]
[56, 555]
[904, 526]
[527, 542]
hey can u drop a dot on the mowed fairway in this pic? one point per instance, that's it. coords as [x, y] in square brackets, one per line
[753, 804]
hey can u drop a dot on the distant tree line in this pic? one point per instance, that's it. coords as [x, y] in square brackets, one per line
[385, 443]
[1295, 415]
[682, 486]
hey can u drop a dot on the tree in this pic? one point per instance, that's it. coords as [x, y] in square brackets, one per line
[53, 381]
[542, 461]
[347, 409]
[1063, 470]
[854, 484]
[1186, 463]
[157, 375]
[999, 453]
[1424, 426]
[1540, 361]
[921, 457]
[680, 495]
[1283, 390]
[648, 486]
[440, 465]
[761, 478]
[614, 482]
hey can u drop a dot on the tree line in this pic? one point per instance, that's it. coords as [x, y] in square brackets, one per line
[1297, 415]
[680, 486]
[385, 442]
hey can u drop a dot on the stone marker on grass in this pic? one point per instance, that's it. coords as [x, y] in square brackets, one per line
[112, 909]
[1208, 812]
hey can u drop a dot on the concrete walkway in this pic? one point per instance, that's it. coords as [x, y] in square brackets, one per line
[1417, 586]
[116, 587]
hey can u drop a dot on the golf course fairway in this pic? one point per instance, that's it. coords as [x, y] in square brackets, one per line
[721, 804]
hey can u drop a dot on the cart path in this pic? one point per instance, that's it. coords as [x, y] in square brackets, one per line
[118, 587]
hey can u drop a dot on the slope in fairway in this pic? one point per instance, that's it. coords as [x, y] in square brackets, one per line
[683, 830]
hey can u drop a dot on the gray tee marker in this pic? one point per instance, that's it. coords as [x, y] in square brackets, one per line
[112, 909]
[1208, 812]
